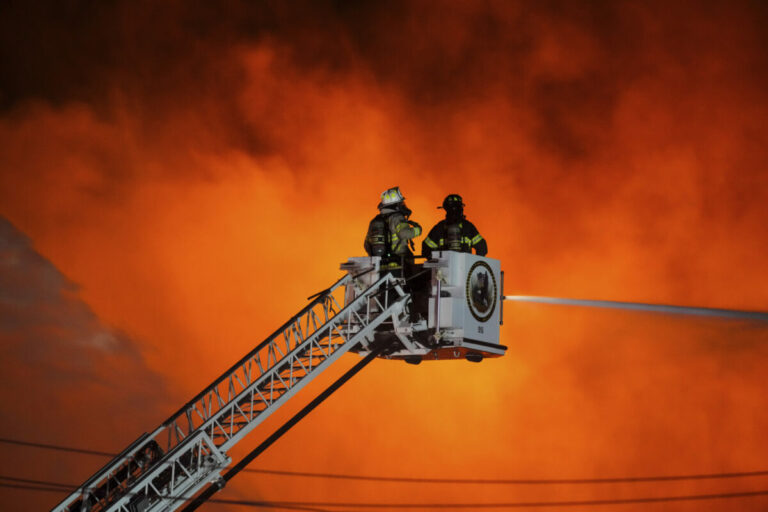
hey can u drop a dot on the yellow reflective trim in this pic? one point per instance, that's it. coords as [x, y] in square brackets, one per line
[430, 243]
[477, 239]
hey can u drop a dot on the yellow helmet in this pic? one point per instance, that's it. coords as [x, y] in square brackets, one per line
[390, 197]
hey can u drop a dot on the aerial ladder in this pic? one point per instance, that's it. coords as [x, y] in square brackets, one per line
[370, 312]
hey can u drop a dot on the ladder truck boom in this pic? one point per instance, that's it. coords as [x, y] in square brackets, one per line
[456, 316]
[163, 469]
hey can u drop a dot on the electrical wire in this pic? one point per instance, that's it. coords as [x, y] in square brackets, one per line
[36, 482]
[527, 504]
[517, 481]
[417, 480]
[524, 504]
[56, 447]
[66, 488]
[311, 505]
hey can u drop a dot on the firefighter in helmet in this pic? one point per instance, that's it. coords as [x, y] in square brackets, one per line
[391, 232]
[455, 232]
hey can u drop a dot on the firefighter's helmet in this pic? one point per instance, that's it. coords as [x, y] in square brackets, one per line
[390, 197]
[452, 201]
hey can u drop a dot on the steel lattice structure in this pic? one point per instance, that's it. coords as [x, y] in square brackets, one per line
[161, 470]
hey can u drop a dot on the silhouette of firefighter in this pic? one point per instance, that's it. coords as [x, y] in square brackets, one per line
[391, 233]
[455, 232]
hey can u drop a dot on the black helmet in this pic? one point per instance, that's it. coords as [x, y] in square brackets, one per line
[452, 201]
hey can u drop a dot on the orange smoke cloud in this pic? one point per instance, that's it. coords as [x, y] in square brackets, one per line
[203, 173]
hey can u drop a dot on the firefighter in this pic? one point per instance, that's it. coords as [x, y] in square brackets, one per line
[391, 232]
[455, 232]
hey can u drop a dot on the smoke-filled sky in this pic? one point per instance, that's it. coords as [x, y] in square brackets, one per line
[177, 177]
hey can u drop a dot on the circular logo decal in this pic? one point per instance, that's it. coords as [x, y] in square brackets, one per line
[481, 291]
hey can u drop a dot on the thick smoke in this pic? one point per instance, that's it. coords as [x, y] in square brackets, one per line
[200, 169]
[67, 378]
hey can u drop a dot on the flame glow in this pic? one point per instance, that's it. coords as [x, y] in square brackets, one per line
[198, 174]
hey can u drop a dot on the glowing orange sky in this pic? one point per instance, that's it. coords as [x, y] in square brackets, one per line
[203, 177]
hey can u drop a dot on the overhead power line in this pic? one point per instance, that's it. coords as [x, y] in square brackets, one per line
[56, 447]
[28, 481]
[312, 505]
[417, 480]
[522, 504]
[515, 481]
[64, 488]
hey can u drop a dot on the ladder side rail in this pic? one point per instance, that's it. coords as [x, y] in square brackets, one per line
[208, 493]
[192, 481]
[176, 478]
[271, 353]
[137, 456]
[242, 362]
[106, 469]
[171, 503]
[291, 360]
[362, 335]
